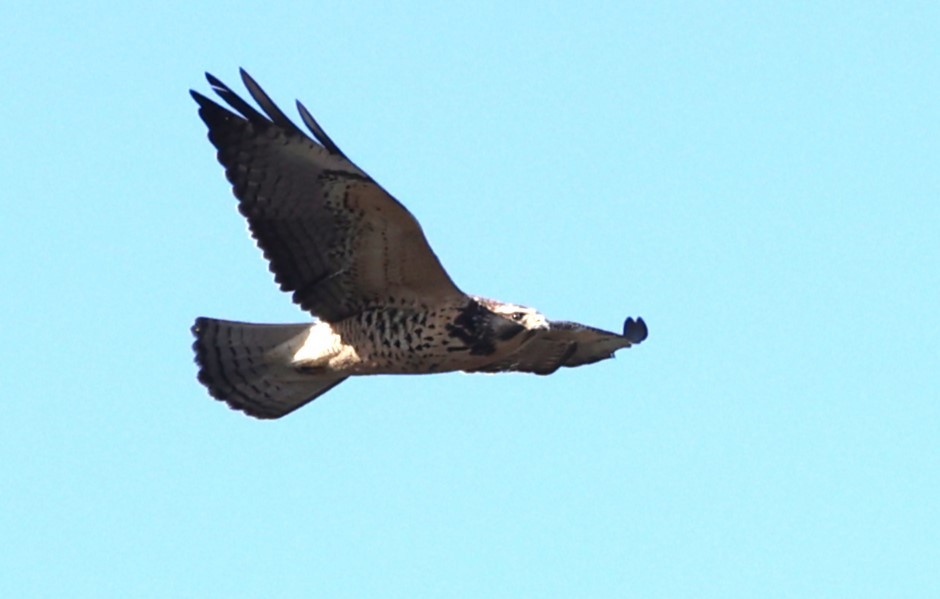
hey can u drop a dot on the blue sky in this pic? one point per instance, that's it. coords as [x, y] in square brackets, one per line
[760, 183]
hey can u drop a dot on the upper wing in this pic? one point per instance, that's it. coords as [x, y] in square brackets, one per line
[569, 344]
[332, 235]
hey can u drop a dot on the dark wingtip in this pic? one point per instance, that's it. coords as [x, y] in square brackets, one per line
[247, 79]
[317, 130]
[635, 330]
[199, 98]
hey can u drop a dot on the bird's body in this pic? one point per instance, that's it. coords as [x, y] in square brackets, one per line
[357, 259]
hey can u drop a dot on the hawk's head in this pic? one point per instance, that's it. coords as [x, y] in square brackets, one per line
[530, 318]
[487, 327]
[512, 324]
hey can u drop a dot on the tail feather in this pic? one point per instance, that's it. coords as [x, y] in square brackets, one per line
[248, 366]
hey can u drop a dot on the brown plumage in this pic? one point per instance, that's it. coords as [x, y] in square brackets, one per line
[355, 258]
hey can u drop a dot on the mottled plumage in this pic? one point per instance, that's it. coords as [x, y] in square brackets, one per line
[355, 258]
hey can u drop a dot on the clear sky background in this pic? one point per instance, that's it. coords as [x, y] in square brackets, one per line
[761, 184]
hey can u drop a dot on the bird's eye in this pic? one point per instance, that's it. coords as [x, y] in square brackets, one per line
[518, 315]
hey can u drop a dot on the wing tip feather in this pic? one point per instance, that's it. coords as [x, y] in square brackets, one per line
[635, 330]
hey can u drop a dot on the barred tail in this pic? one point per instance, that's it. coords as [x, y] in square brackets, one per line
[248, 366]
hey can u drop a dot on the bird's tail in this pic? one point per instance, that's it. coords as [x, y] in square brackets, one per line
[248, 366]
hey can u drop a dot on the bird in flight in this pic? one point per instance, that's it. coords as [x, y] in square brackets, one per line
[357, 260]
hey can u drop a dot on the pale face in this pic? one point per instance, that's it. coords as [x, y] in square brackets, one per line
[530, 318]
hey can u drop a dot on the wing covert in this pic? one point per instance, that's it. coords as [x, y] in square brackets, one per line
[331, 234]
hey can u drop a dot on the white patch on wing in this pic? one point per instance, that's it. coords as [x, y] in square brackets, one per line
[323, 348]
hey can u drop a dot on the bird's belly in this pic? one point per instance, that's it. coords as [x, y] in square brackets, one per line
[405, 361]
[406, 341]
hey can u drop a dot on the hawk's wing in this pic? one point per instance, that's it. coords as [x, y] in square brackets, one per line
[332, 235]
[568, 344]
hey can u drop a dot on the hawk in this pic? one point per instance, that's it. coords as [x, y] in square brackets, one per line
[357, 260]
